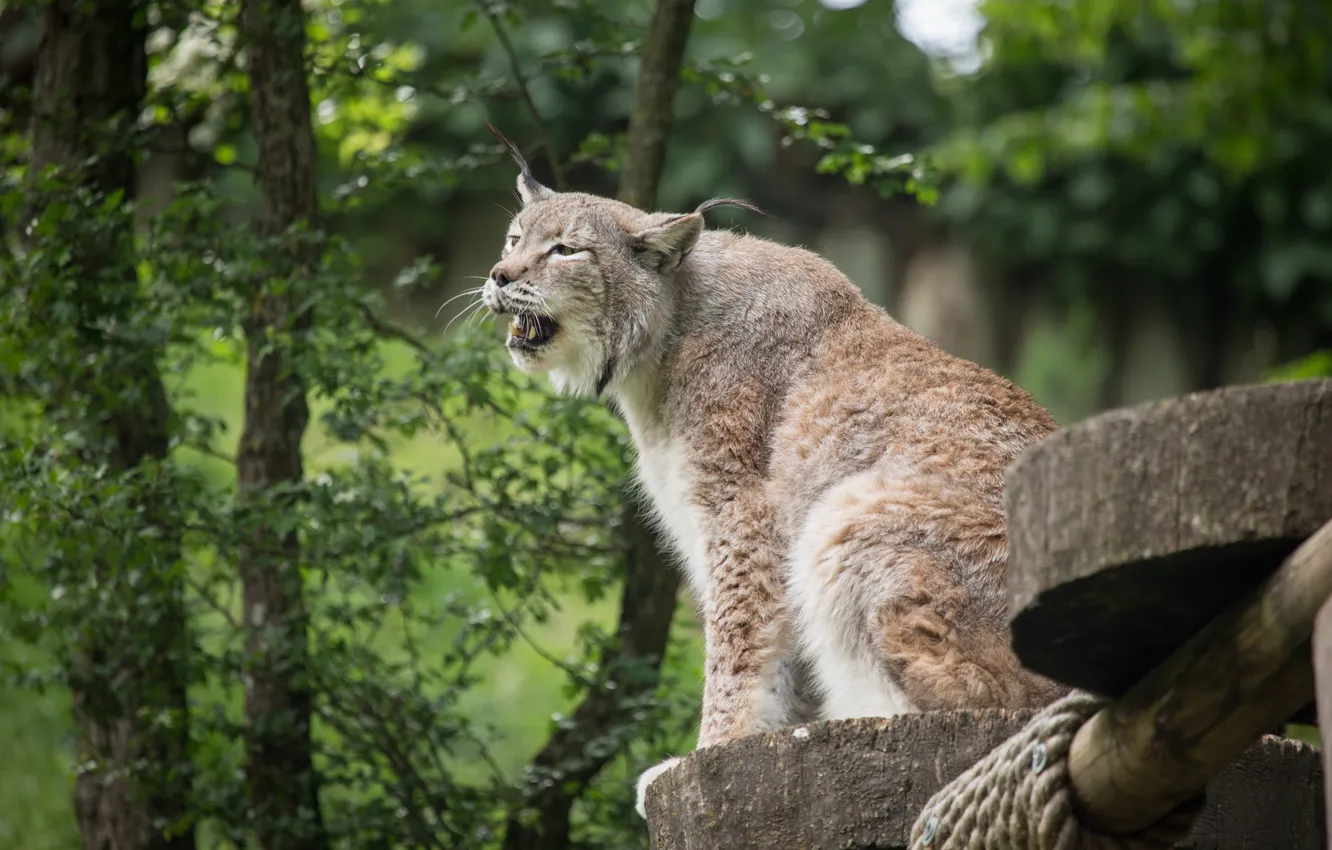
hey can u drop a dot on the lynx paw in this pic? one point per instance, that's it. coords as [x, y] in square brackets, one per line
[645, 780]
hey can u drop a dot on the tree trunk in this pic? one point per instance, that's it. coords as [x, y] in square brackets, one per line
[654, 100]
[284, 789]
[651, 585]
[130, 673]
[570, 757]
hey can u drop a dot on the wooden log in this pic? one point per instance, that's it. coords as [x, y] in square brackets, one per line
[860, 784]
[1250, 668]
[1322, 660]
[1131, 531]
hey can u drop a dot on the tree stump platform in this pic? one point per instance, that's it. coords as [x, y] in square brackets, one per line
[1132, 530]
[859, 785]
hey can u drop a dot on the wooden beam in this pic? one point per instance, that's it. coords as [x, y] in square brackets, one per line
[1243, 674]
[1322, 661]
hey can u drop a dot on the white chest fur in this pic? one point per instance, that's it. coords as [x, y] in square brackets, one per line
[665, 477]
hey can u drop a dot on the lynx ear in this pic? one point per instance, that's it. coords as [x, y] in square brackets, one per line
[664, 245]
[529, 189]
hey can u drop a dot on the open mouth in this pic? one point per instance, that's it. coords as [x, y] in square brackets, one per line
[529, 332]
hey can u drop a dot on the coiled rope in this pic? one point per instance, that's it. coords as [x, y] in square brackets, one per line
[1019, 796]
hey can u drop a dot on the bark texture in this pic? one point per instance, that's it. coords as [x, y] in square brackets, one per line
[654, 101]
[1131, 531]
[284, 788]
[129, 674]
[859, 785]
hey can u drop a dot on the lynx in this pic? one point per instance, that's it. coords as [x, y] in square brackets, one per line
[831, 480]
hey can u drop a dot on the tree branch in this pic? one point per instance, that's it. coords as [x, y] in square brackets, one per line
[647, 606]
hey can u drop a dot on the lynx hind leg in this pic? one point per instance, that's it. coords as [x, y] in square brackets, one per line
[886, 619]
[949, 647]
[834, 597]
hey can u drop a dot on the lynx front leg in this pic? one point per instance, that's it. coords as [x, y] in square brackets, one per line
[743, 558]
[750, 681]
[746, 624]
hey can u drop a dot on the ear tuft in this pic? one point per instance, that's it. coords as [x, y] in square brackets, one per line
[529, 189]
[730, 202]
[665, 245]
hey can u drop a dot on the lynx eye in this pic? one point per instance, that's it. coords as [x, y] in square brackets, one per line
[564, 250]
[512, 240]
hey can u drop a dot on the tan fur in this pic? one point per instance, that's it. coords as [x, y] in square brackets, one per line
[832, 480]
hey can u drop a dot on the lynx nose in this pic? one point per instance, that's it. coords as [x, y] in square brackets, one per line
[502, 277]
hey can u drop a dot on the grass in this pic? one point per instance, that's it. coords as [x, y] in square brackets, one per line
[36, 789]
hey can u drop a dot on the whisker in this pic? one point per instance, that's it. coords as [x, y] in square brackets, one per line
[529, 298]
[463, 294]
[481, 316]
[460, 312]
[480, 311]
[537, 301]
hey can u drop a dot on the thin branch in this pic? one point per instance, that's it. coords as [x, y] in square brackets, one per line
[373, 734]
[557, 172]
[185, 150]
[571, 670]
[391, 330]
[407, 611]
[208, 451]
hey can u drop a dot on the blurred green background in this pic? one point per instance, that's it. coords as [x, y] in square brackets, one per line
[1114, 202]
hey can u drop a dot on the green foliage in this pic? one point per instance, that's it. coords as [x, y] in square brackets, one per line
[1152, 157]
[1229, 78]
[455, 517]
[1315, 365]
[460, 529]
[417, 582]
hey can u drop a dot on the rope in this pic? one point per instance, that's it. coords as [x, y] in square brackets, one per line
[1019, 797]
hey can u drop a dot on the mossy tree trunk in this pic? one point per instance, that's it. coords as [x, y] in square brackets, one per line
[128, 664]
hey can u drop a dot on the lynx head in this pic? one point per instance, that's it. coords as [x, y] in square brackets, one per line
[587, 281]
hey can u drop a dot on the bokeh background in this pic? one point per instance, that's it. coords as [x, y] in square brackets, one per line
[1109, 201]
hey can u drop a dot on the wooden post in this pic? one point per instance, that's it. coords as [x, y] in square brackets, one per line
[861, 784]
[1131, 531]
[1322, 660]
[1173, 557]
[1245, 673]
